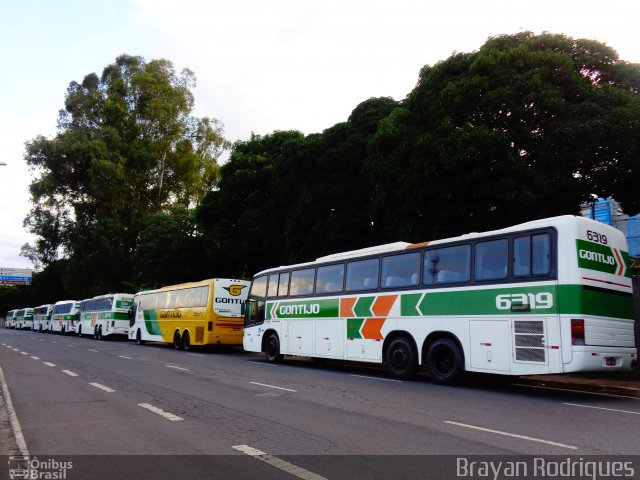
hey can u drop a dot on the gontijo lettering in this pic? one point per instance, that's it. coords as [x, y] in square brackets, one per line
[299, 309]
[597, 257]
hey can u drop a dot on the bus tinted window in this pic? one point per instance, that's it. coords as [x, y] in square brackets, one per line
[273, 285]
[401, 270]
[447, 265]
[491, 260]
[259, 287]
[532, 255]
[302, 281]
[330, 279]
[283, 285]
[362, 275]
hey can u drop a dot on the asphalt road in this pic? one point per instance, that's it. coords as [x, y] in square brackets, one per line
[152, 409]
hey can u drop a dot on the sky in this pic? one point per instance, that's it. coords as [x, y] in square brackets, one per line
[261, 65]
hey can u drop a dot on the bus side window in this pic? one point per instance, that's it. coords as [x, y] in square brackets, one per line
[491, 260]
[255, 312]
[532, 255]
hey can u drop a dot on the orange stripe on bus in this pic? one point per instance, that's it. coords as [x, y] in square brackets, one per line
[346, 306]
[382, 306]
[371, 328]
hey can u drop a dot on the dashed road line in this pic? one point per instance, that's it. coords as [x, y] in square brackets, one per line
[92, 350]
[70, 373]
[71, 346]
[512, 435]
[127, 358]
[102, 387]
[264, 363]
[159, 411]
[177, 368]
[196, 354]
[273, 386]
[35, 358]
[49, 364]
[278, 463]
[24, 353]
[602, 408]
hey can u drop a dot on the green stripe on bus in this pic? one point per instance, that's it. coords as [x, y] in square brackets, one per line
[151, 322]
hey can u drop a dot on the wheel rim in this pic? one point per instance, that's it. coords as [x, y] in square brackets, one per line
[272, 348]
[443, 361]
[400, 358]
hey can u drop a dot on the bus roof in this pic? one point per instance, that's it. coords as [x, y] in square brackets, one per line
[399, 246]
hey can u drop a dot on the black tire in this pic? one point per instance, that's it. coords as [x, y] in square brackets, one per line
[401, 358]
[272, 349]
[99, 337]
[62, 332]
[80, 331]
[445, 362]
[139, 340]
[176, 340]
[186, 340]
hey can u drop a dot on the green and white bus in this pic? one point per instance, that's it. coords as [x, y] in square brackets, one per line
[10, 319]
[24, 318]
[548, 296]
[42, 318]
[65, 318]
[105, 315]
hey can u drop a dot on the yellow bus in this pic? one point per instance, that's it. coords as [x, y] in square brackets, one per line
[208, 312]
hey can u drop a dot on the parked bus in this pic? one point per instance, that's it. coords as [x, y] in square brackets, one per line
[198, 313]
[548, 296]
[105, 315]
[24, 318]
[65, 318]
[10, 319]
[42, 318]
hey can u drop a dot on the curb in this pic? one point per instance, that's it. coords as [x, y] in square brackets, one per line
[588, 387]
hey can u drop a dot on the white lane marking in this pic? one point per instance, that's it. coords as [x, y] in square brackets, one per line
[196, 354]
[122, 356]
[278, 463]
[513, 435]
[91, 350]
[3, 344]
[602, 408]
[13, 418]
[54, 342]
[102, 387]
[10, 347]
[49, 364]
[177, 368]
[24, 353]
[15, 349]
[70, 373]
[273, 386]
[71, 346]
[377, 378]
[36, 358]
[264, 363]
[583, 392]
[159, 411]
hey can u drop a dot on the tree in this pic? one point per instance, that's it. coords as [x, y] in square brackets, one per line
[528, 126]
[127, 148]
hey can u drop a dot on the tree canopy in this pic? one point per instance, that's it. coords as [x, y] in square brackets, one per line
[127, 148]
[129, 190]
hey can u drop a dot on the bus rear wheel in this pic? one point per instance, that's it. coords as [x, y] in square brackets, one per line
[176, 340]
[272, 349]
[401, 358]
[99, 337]
[445, 362]
[186, 340]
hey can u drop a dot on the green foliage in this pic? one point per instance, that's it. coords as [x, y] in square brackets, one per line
[127, 149]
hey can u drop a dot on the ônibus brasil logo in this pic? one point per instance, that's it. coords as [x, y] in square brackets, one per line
[234, 290]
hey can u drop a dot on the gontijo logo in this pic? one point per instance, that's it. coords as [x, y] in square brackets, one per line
[603, 258]
[234, 290]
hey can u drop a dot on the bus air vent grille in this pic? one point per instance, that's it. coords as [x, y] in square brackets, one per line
[199, 334]
[529, 341]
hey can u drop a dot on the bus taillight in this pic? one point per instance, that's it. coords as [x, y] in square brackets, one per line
[577, 331]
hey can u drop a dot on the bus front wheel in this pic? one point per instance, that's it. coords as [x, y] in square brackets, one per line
[272, 349]
[139, 340]
[176, 340]
[401, 358]
[445, 362]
